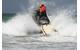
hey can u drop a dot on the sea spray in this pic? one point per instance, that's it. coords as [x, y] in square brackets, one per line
[20, 25]
[61, 20]
[65, 26]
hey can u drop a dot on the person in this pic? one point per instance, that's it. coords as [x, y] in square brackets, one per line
[40, 13]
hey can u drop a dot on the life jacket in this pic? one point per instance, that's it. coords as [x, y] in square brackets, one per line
[42, 8]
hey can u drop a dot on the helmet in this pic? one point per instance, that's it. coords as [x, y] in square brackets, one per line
[42, 8]
[42, 5]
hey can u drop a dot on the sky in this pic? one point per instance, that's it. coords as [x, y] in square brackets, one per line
[14, 6]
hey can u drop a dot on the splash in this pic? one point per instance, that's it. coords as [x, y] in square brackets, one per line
[20, 25]
[65, 26]
[62, 20]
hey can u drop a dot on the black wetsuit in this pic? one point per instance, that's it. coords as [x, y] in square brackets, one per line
[41, 16]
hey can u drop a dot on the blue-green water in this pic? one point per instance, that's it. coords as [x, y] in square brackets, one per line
[7, 16]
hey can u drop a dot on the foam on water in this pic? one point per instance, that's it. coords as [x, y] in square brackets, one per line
[65, 26]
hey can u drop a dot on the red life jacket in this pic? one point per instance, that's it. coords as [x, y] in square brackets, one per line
[42, 8]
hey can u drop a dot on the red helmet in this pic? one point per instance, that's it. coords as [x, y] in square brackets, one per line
[42, 5]
[42, 8]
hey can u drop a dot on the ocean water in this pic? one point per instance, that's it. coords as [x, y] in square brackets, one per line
[33, 40]
[20, 32]
[30, 43]
[7, 16]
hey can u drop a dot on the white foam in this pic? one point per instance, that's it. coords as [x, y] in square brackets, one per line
[20, 25]
[65, 26]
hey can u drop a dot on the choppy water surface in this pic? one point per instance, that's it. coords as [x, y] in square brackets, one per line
[31, 43]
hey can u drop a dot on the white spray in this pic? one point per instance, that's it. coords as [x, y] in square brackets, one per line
[61, 21]
[20, 25]
[65, 26]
